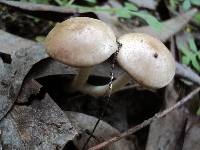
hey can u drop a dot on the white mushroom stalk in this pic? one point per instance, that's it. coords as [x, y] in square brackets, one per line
[96, 91]
[81, 42]
[81, 78]
[145, 59]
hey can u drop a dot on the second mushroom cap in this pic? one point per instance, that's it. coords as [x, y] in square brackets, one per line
[146, 59]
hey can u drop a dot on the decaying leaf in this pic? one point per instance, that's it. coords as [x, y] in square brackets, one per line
[165, 133]
[10, 44]
[192, 134]
[84, 124]
[23, 55]
[28, 89]
[40, 125]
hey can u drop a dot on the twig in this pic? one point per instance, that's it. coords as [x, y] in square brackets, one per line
[26, 6]
[146, 122]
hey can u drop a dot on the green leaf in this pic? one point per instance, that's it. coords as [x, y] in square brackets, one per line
[123, 13]
[91, 1]
[68, 2]
[186, 52]
[197, 18]
[131, 6]
[173, 4]
[59, 2]
[195, 2]
[192, 44]
[185, 60]
[195, 64]
[152, 21]
[198, 55]
[186, 5]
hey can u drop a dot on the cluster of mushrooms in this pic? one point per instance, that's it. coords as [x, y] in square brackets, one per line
[84, 42]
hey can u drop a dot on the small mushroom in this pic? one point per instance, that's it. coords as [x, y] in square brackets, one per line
[81, 42]
[145, 59]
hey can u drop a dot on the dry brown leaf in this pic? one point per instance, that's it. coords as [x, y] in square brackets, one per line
[104, 131]
[23, 54]
[165, 133]
[40, 125]
[192, 134]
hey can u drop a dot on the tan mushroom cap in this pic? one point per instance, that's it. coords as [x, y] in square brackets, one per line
[146, 59]
[81, 42]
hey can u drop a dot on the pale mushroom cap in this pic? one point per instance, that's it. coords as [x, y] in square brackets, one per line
[146, 59]
[81, 42]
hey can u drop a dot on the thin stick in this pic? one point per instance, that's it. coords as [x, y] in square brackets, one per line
[146, 122]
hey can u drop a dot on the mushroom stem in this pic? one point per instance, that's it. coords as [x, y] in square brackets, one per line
[96, 91]
[81, 78]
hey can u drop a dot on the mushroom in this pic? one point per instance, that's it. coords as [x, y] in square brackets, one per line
[81, 42]
[145, 59]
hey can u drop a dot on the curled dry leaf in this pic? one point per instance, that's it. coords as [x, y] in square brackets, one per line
[23, 54]
[28, 89]
[84, 123]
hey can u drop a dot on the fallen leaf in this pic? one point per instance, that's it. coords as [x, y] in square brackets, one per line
[84, 123]
[28, 89]
[165, 132]
[40, 125]
[11, 43]
[192, 135]
[24, 54]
